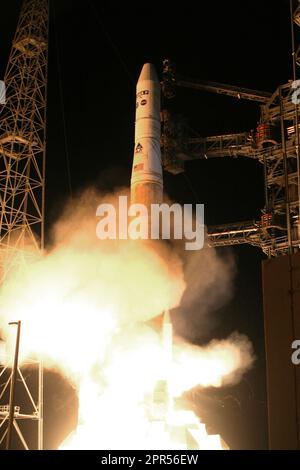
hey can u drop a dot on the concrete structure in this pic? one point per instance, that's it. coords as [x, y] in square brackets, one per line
[281, 289]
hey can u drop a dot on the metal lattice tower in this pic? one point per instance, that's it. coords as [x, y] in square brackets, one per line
[31, 409]
[275, 144]
[22, 138]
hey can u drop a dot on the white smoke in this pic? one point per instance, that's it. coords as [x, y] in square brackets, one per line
[83, 306]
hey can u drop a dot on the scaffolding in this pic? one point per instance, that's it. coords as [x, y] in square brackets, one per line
[22, 139]
[275, 144]
[32, 400]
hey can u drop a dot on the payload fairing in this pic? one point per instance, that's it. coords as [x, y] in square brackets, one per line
[146, 178]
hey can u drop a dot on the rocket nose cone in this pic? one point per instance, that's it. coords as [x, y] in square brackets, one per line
[148, 73]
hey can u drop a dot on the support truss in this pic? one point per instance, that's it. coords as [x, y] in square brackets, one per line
[22, 137]
[32, 401]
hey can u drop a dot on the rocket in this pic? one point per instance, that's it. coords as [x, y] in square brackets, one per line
[146, 178]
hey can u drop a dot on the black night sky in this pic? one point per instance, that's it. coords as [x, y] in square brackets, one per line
[97, 49]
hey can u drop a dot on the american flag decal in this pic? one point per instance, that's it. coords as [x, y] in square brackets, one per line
[138, 167]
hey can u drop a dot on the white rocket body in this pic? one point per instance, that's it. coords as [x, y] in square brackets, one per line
[146, 178]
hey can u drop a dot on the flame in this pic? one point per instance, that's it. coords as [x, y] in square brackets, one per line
[124, 414]
[83, 308]
[72, 302]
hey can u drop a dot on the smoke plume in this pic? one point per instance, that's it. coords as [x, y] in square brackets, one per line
[85, 304]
